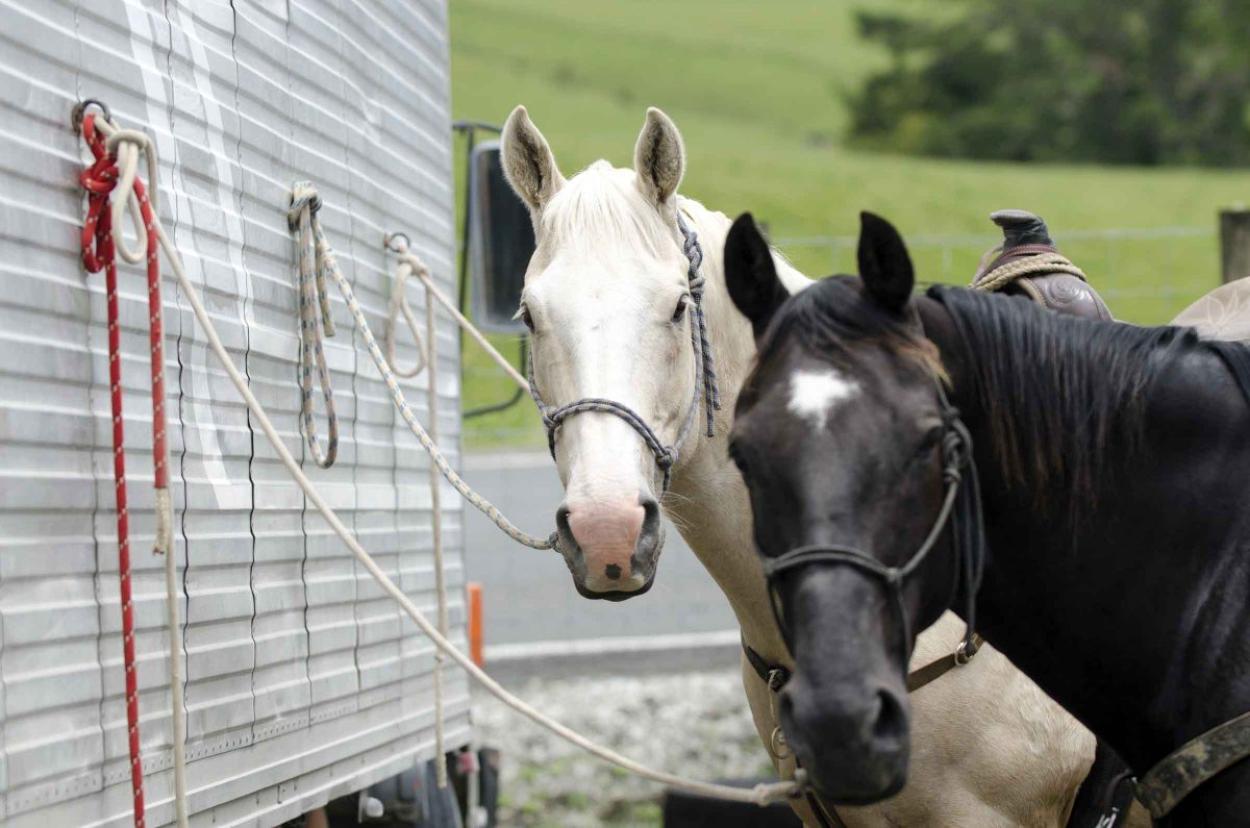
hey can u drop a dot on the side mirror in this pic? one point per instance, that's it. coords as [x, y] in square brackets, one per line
[501, 242]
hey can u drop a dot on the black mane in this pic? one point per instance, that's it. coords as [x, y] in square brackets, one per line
[1072, 387]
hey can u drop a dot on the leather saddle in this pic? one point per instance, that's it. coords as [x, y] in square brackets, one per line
[1038, 271]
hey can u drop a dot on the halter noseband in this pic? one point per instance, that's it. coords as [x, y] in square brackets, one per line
[705, 376]
[961, 509]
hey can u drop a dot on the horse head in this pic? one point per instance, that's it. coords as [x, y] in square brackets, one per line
[610, 303]
[839, 433]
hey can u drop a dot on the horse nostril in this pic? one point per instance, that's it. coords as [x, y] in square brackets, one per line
[612, 571]
[562, 520]
[891, 723]
[651, 517]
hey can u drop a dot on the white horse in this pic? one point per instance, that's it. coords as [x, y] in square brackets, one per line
[608, 300]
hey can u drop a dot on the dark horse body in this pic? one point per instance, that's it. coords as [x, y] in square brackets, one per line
[1115, 471]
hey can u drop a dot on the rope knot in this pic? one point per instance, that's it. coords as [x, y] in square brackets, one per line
[303, 194]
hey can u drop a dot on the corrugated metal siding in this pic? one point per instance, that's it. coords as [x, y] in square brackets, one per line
[303, 681]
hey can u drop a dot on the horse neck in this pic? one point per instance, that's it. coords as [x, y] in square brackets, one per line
[1141, 599]
[708, 500]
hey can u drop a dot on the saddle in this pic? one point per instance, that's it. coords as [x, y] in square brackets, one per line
[1028, 264]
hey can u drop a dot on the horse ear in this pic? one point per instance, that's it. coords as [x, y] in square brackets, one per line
[659, 157]
[884, 264]
[751, 274]
[528, 163]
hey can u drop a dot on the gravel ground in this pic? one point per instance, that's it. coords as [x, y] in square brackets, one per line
[696, 724]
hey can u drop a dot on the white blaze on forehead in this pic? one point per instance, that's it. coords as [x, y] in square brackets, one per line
[814, 393]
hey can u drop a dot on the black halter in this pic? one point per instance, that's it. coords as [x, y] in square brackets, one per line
[961, 508]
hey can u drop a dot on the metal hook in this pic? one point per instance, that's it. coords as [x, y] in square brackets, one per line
[389, 240]
[80, 110]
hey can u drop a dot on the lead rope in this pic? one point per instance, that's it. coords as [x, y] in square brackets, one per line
[436, 534]
[761, 794]
[115, 169]
[314, 258]
[329, 266]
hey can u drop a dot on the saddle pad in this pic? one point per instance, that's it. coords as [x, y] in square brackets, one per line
[1223, 314]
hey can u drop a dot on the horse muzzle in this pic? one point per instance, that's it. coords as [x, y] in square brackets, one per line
[854, 747]
[611, 548]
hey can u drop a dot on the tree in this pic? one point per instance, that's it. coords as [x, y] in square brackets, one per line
[1150, 82]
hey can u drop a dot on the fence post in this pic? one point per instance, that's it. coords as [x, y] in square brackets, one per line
[1234, 244]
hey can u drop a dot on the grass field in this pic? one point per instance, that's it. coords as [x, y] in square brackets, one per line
[758, 90]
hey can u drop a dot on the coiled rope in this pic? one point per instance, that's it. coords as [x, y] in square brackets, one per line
[327, 264]
[761, 794]
[1002, 271]
[315, 257]
[114, 173]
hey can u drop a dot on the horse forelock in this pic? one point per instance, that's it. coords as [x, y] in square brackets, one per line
[602, 208]
[833, 314]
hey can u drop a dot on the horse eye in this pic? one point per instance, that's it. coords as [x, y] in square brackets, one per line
[527, 319]
[931, 438]
[680, 312]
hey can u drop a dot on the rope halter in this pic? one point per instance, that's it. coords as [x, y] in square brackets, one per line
[705, 385]
[960, 513]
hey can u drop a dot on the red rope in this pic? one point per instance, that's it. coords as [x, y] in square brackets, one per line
[99, 252]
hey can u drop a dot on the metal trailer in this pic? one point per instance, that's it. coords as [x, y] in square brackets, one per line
[302, 681]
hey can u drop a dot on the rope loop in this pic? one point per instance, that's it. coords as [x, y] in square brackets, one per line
[761, 794]
[315, 259]
[409, 264]
[113, 185]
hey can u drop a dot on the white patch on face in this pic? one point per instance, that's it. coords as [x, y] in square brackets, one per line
[813, 394]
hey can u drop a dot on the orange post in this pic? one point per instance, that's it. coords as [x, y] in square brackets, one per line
[474, 590]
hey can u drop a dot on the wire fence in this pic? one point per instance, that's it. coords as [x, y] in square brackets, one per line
[1162, 264]
[1146, 276]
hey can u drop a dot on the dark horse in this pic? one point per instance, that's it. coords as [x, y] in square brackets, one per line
[1115, 564]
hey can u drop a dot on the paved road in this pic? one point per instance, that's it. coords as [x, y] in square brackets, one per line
[528, 596]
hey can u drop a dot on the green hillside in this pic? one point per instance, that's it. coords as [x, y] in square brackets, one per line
[757, 90]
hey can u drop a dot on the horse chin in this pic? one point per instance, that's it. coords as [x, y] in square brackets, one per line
[616, 594]
[860, 792]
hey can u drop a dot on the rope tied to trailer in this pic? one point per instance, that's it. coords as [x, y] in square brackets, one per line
[315, 260]
[113, 186]
[328, 266]
[760, 794]
[408, 265]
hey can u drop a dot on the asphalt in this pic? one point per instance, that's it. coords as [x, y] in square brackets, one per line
[534, 620]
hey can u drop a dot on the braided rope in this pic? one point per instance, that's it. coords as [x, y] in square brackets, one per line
[1004, 274]
[761, 794]
[436, 533]
[396, 242]
[328, 264]
[399, 306]
[114, 174]
[694, 254]
[315, 258]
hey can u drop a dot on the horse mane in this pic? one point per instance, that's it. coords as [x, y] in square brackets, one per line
[1059, 392]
